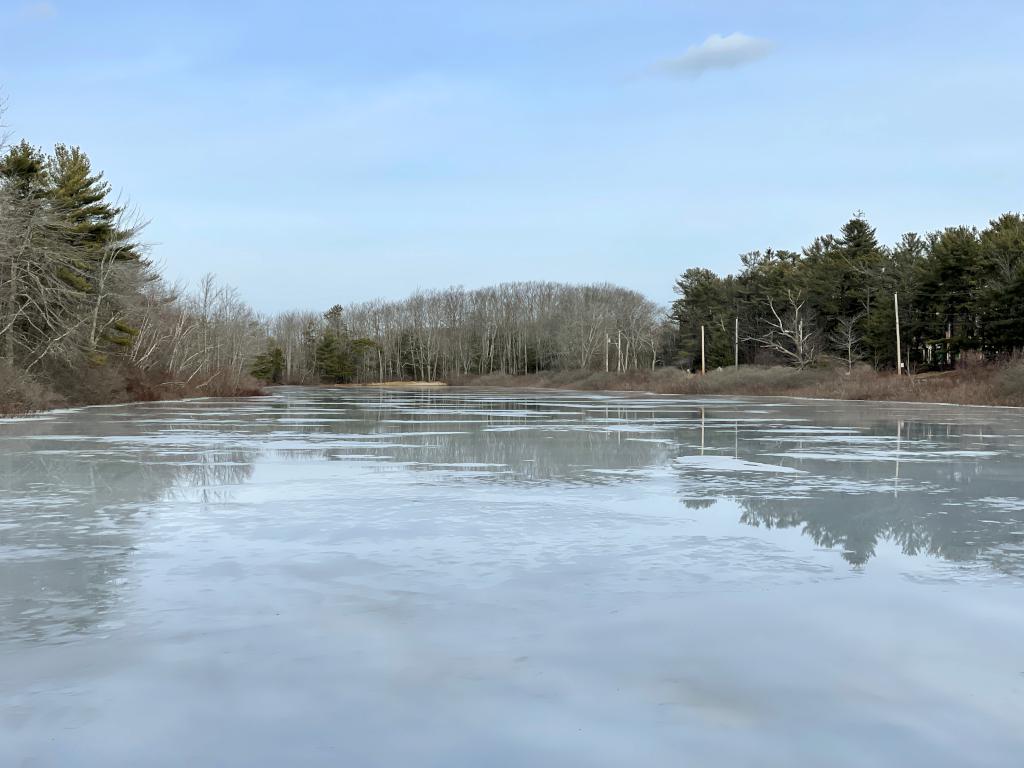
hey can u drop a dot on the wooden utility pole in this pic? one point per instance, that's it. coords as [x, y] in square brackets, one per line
[736, 344]
[899, 346]
[703, 369]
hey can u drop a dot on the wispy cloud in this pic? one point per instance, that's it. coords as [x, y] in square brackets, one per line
[718, 52]
[41, 10]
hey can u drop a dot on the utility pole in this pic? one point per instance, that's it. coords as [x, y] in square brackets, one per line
[618, 353]
[899, 346]
[703, 369]
[736, 344]
[607, 343]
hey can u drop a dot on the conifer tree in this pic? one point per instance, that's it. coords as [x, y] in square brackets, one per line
[81, 196]
[334, 363]
[269, 366]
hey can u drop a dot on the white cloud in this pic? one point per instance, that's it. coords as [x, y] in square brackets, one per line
[718, 52]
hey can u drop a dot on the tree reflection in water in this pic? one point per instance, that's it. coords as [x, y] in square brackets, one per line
[932, 488]
[79, 492]
[70, 518]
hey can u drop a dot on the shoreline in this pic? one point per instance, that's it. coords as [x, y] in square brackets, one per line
[722, 395]
[826, 385]
[998, 386]
[383, 385]
[59, 409]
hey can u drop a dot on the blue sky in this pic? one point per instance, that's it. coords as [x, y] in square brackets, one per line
[319, 152]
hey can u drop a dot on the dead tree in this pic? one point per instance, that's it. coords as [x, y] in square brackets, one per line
[790, 331]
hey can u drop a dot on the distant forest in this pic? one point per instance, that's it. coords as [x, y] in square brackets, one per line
[513, 328]
[960, 293]
[85, 317]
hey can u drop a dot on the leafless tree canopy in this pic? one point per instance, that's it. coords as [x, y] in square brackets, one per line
[510, 328]
[790, 330]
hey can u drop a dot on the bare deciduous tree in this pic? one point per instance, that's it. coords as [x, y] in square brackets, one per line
[847, 338]
[790, 330]
[511, 328]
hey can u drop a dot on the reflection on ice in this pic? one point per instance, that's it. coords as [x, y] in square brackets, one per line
[730, 464]
[607, 570]
[928, 478]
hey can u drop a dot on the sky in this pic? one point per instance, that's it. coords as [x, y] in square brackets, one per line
[313, 153]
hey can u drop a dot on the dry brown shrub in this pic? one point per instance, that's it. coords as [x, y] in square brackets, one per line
[20, 393]
[977, 384]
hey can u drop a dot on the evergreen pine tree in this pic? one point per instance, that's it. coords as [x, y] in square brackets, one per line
[334, 363]
[269, 366]
[81, 196]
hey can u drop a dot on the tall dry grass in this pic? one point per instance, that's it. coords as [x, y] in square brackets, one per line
[993, 384]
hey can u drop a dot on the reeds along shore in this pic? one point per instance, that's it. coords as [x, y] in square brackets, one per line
[988, 384]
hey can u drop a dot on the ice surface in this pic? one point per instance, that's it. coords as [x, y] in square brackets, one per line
[456, 577]
[730, 464]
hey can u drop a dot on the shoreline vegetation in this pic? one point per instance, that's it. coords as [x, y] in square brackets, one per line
[996, 385]
[393, 385]
[87, 318]
[988, 385]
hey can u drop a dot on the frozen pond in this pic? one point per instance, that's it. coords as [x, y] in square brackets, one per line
[329, 577]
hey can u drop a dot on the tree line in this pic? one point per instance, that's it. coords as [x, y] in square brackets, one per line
[86, 317]
[84, 314]
[960, 296]
[512, 328]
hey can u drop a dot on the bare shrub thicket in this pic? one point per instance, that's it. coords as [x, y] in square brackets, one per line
[20, 393]
[199, 341]
[989, 384]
